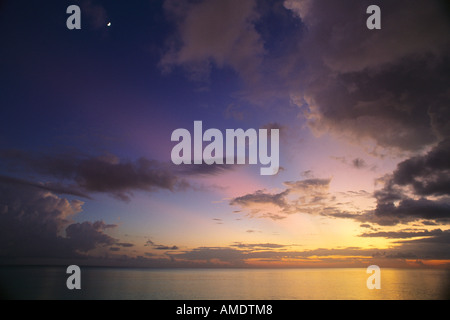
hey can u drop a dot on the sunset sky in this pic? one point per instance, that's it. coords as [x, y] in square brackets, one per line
[86, 118]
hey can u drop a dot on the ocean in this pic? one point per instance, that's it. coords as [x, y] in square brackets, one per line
[224, 284]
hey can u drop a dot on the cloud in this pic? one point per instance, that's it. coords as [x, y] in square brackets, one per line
[87, 235]
[275, 125]
[436, 246]
[261, 197]
[417, 190]
[411, 210]
[160, 246]
[359, 163]
[37, 224]
[304, 196]
[213, 254]
[435, 236]
[82, 175]
[403, 234]
[424, 245]
[57, 188]
[427, 174]
[120, 178]
[124, 244]
[308, 185]
[389, 86]
[204, 169]
[405, 212]
[213, 33]
[264, 205]
[401, 34]
[393, 115]
[248, 255]
[257, 246]
[37, 210]
[356, 163]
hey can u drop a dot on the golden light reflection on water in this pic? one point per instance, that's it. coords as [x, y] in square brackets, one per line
[351, 284]
[228, 284]
[301, 284]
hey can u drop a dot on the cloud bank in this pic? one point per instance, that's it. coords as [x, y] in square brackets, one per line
[390, 86]
[35, 223]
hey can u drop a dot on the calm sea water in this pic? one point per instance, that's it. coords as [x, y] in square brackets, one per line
[214, 284]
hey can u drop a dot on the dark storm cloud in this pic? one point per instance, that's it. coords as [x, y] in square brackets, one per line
[429, 223]
[434, 247]
[389, 85]
[406, 211]
[121, 178]
[124, 244]
[81, 175]
[436, 236]
[106, 174]
[57, 188]
[427, 177]
[411, 210]
[88, 235]
[35, 223]
[417, 190]
[31, 220]
[428, 174]
[395, 106]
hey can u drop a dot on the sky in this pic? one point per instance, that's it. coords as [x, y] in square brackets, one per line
[86, 118]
